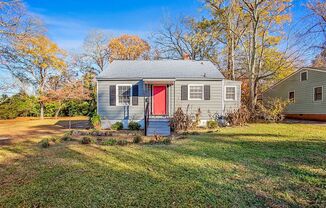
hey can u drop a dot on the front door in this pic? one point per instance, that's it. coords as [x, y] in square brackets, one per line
[159, 100]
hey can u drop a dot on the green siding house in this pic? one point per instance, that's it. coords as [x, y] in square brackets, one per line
[149, 92]
[305, 89]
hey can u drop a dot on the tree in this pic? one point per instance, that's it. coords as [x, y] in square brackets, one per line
[265, 18]
[128, 47]
[66, 90]
[318, 10]
[320, 60]
[186, 36]
[36, 59]
[228, 19]
[96, 53]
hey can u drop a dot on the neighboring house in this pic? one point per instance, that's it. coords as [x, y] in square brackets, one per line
[305, 89]
[149, 92]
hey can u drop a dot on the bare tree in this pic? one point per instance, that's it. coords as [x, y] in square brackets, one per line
[318, 18]
[96, 53]
[186, 37]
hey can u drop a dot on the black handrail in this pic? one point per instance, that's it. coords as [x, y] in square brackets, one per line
[146, 117]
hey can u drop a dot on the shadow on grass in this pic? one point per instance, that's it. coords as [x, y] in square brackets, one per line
[207, 171]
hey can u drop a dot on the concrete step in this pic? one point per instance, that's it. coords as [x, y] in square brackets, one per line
[159, 127]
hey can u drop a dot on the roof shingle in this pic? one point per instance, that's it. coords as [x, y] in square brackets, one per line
[161, 69]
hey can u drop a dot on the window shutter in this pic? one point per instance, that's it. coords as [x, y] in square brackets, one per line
[184, 92]
[207, 92]
[135, 95]
[112, 95]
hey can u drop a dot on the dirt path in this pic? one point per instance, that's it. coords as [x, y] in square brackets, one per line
[22, 129]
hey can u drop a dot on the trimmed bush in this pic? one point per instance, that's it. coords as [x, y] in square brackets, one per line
[86, 140]
[212, 124]
[45, 143]
[134, 125]
[117, 126]
[137, 139]
[110, 142]
[122, 142]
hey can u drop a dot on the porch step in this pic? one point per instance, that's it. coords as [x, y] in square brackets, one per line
[159, 127]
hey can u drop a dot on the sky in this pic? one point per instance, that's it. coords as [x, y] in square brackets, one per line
[69, 21]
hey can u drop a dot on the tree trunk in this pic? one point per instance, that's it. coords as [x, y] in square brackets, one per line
[41, 110]
[252, 63]
[58, 111]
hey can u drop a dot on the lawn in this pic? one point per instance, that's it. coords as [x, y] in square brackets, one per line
[273, 165]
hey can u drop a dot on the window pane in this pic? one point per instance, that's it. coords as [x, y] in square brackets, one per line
[303, 76]
[291, 96]
[124, 95]
[196, 92]
[318, 93]
[230, 93]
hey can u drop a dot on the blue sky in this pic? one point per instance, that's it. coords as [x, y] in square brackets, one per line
[68, 21]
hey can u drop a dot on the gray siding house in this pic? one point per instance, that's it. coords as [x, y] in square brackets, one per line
[149, 92]
[305, 89]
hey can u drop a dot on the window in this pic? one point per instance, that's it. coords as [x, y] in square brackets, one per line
[291, 96]
[196, 92]
[304, 76]
[124, 95]
[230, 93]
[318, 93]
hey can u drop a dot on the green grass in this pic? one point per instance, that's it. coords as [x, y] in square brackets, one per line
[274, 165]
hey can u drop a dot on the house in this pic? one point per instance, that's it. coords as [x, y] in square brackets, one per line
[305, 89]
[149, 92]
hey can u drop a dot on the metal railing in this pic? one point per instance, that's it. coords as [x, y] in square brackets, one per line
[146, 118]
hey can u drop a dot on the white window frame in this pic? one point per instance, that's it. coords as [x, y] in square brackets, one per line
[235, 93]
[301, 76]
[196, 85]
[117, 94]
[293, 97]
[322, 94]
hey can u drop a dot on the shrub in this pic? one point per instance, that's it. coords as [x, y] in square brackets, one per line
[86, 140]
[66, 138]
[271, 110]
[96, 121]
[166, 140]
[122, 142]
[180, 121]
[239, 117]
[137, 139]
[45, 143]
[212, 124]
[110, 142]
[117, 126]
[133, 125]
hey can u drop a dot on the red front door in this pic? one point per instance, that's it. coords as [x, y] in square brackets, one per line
[159, 100]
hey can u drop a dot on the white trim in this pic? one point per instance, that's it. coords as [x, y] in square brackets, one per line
[195, 85]
[286, 78]
[293, 97]
[322, 94]
[235, 93]
[117, 94]
[301, 76]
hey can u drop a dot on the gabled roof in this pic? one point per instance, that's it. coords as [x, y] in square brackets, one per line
[297, 71]
[182, 69]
